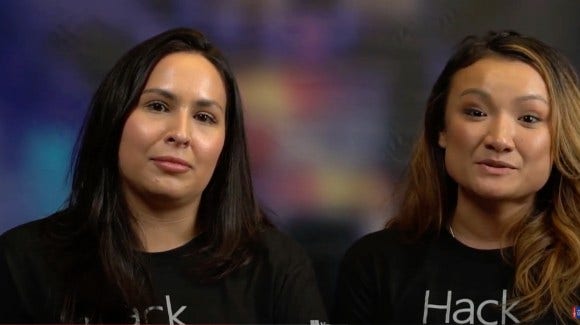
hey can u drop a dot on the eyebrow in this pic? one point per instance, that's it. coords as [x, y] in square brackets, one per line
[203, 102]
[532, 97]
[208, 103]
[161, 92]
[487, 96]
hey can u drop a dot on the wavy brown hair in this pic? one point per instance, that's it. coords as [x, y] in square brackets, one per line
[546, 249]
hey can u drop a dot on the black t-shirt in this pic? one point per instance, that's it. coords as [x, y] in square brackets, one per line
[278, 286]
[384, 279]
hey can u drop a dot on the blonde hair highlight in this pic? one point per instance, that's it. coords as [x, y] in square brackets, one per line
[546, 250]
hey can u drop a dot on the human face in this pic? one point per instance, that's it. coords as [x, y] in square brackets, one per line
[497, 130]
[173, 138]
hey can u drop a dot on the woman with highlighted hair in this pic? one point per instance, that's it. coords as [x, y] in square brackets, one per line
[488, 228]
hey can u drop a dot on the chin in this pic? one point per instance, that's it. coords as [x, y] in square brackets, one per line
[170, 193]
[499, 194]
[494, 196]
[490, 192]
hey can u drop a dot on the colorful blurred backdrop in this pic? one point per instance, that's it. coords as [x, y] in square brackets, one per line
[334, 93]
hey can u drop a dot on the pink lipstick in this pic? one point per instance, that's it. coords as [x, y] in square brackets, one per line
[171, 164]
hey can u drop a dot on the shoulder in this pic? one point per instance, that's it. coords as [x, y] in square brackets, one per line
[377, 239]
[276, 241]
[25, 236]
[24, 251]
[28, 272]
[377, 242]
[288, 270]
[33, 240]
[281, 249]
[383, 245]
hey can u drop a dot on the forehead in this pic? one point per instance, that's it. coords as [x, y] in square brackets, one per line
[188, 76]
[500, 77]
[185, 62]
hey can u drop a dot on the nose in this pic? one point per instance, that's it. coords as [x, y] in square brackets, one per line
[500, 135]
[179, 130]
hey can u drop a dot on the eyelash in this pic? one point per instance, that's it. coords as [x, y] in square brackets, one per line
[201, 116]
[476, 113]
[157, 106]
[205, 118]
[473, 112]
[526, 119]
[529, 120]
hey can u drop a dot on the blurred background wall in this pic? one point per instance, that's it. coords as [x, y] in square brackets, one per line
[334, 93]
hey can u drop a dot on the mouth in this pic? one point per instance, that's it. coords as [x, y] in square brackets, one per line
[171, 164]
[496, 164]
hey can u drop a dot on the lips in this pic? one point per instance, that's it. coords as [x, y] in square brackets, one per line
[171, 164]
[496, 163]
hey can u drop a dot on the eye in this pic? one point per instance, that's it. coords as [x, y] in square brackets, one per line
[157, 106]
[474, 112]
[530, 119]
[205, 118]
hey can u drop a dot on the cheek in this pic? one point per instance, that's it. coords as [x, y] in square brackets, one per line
[211, 146]
[133, 140]
[461, 139]
[461, 142]
[537, 153]
[538, 148]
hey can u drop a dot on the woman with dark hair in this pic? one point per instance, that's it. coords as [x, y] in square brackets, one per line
[488, 228]
[161, 225]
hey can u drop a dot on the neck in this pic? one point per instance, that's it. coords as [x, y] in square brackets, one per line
[484, 223]
[162, 228]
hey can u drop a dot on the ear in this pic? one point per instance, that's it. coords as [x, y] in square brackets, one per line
[443, 139]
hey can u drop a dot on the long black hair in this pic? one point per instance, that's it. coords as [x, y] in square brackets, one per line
[102, 250]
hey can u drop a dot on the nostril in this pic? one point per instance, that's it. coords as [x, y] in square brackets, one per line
[498, 146]
[177, 139]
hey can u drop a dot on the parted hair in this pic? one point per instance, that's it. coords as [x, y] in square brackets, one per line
[546, 249]
[102, 250]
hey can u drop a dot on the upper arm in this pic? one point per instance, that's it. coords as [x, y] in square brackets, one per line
[357, 291]
[299, 299]
[11, 308]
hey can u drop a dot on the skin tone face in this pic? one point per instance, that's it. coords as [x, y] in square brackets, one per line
[497, 144]
[170, 146]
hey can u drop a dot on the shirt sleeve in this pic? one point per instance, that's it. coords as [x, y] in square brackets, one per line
[357, 289]
[11, 307]
[300, 300]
